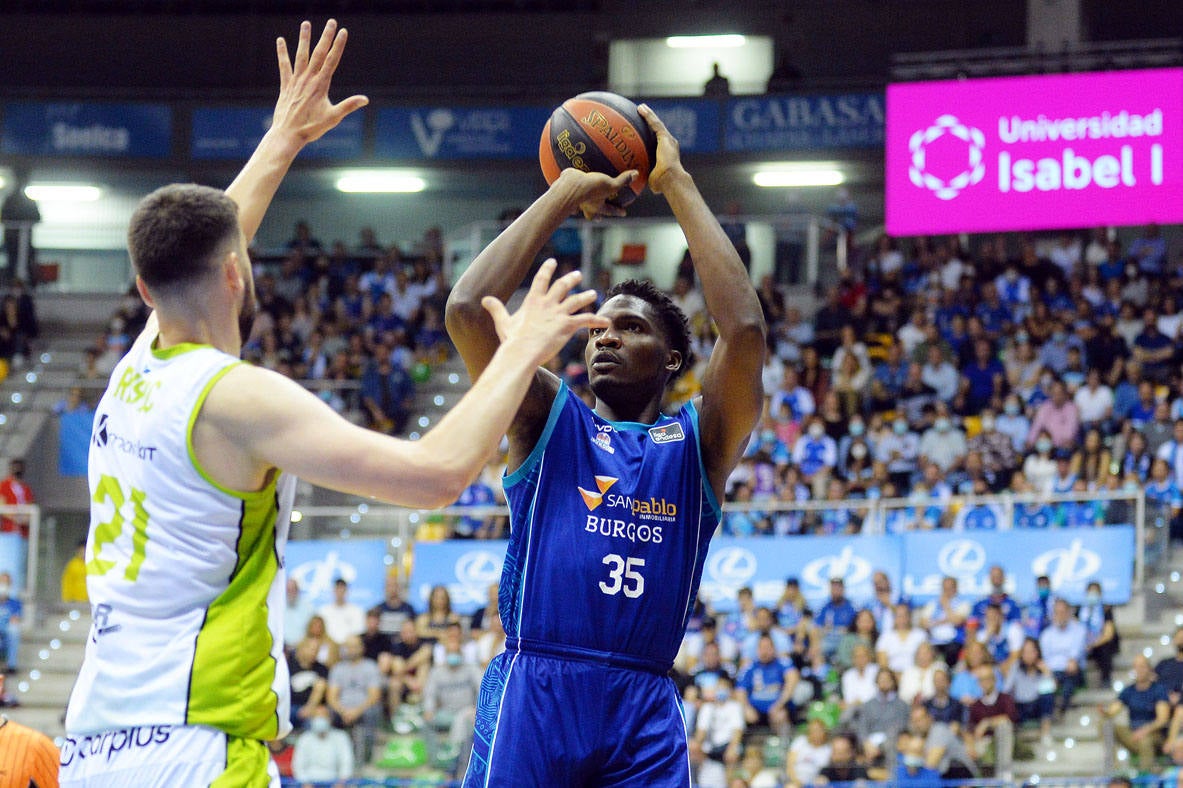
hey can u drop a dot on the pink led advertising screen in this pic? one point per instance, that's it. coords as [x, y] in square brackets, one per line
[1032, 153]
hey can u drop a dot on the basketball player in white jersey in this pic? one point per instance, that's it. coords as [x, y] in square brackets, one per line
[192, 464]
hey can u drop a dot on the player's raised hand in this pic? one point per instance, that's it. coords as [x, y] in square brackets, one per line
[547, 317]
[303, 107]
[594, 189]
[669, 159]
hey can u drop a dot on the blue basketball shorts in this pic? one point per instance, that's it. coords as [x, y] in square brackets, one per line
[549, 721]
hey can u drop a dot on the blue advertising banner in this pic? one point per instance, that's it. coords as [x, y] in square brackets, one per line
[83, 129]
[460, 132]
[233, 133]
[848, 120]
[1070, 557]
[696, 123]
[466, 568]
[764, 564]
[316, 564]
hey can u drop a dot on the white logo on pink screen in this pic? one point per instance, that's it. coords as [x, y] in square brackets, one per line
[1023, 153]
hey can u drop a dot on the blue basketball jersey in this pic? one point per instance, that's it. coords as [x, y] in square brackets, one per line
[609, 528]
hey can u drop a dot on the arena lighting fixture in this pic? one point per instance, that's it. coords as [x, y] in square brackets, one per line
[63, 192]
[723, 41]
[380, 182]
[798, 177]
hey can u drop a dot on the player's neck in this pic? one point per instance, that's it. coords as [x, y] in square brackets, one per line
[638, 412]
[198, 328]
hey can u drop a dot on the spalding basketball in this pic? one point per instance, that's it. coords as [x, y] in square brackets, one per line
[599, 132]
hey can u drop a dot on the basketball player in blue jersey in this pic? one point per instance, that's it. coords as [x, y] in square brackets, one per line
[184, 677]
[611, 507]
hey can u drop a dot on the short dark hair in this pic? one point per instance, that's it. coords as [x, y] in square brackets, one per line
[177, 231]
[673, 320]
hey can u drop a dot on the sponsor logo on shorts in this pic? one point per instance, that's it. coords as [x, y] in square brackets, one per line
[667, 433]
[111, 744]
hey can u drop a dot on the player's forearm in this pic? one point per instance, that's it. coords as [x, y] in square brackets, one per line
[726, 287]
[255, 186]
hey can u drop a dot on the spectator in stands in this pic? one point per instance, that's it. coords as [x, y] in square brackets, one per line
[411, 658]
[942, 748]
[387, 393]
[943, 444]
[394, 609]
[943, 706]
[1101, 638]
[1169, 670]
[1091, 461]
[327, 649]
[1032, 685]
[1094, 400]
[809, 753]
[998, 595]
[882, 604]
[1153, 350]
[296, 615]
[864, 632]
[859, 680]
[916, 681]
[1064, 647]
[880, 719]
[1001, 638]
[308, 681]
[815, 453]
[376, 645]
[74, 577]
[1149, 251]
[835, 617]
[768, 684]
[1039, 469]
[944, 618]
[1037, 613]
[892, 371]
[1013, 422]
[990, 724]
[322, 753]
[14, 491]
[899, 450]
[765, 625]
[1147, 703]
[354, 696]
[843, 766]
[896, 648]
[1058, 417]
[939, 374]
[342, 619]
[450, 693]
[439, 614]
[11, 620]
[717, 736]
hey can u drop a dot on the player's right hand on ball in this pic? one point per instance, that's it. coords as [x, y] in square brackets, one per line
[593, 190]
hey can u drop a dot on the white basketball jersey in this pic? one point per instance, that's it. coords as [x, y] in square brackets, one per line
[185, 577]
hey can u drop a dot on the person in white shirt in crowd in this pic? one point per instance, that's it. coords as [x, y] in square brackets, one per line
[323, 753]
[912, 333]
[453, 640]
[943, 443]
[896, 649]
[858, 681]
[808, 754]
[716, 742]
[944, 617]
[343, 619]
[940, 374]
[1094, 400]
[916, 681]
[1063, 645]
[296, 614]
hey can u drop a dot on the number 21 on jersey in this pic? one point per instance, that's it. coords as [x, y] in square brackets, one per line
[106, 532]
[623, 576]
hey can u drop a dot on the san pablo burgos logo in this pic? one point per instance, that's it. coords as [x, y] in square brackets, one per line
[974, 141]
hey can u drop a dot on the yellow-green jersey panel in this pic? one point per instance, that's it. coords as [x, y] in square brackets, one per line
[185, 577]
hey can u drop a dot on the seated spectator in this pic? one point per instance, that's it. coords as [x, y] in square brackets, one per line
[984, 378]
[1148, 706]
[764, 625]
[843, 765]
[859, 680]
[899, 450]
[1094, 400]
[939, 374]
[410, 662]
[910, 770]
[879, 720]
[308, 680]
[1101, 639]
[990, 725]
[896, 648]
[342, 618]
[916, 681]
[1039, 469]
[710, 667]
[716, 740]
[376, 645]
[1064, 644]
[450, 692]
[815, 453]
[1058, 417]
[1169, 670]
[943, 444]
[964, 685]
[1033, 686]
[432, 622]
[943, 706]
[1001, 638]
[942, 748]
[322, 753]
[864, 633]
[327, 650]
[387, 394]
[768, 685]
[355, 697]
[995, 449]
[394, 609]
[1153, 350]
[1013, 422]
[1091, 461]
[1011, 611]
[835, 617]
[808, 754]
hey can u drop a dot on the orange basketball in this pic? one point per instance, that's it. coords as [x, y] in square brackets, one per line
[599, 132]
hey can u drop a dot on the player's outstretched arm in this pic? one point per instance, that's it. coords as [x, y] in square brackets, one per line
[732, 393]
[500, 267]
[274, 423]
[303, 113]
